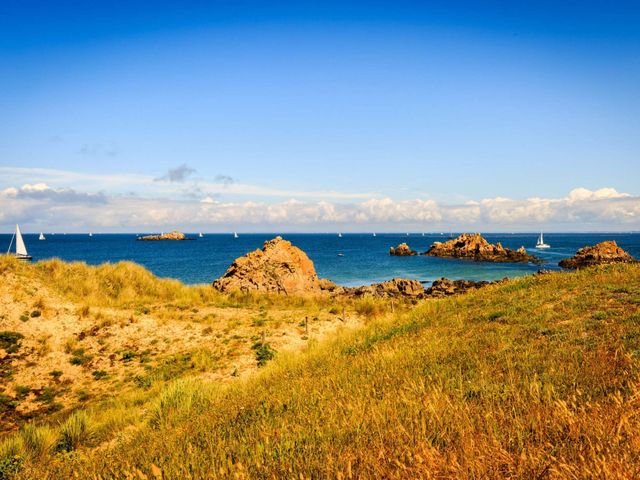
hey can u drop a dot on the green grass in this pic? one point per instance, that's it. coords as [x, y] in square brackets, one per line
[534, 378]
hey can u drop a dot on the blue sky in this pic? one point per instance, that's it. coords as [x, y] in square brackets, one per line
[340, 103]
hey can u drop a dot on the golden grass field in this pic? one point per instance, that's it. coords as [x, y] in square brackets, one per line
[531, 378]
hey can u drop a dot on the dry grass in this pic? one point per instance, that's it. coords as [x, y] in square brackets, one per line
[533, 378]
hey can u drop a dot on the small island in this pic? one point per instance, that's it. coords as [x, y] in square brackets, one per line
[474, 246]
[602, 253]
[402, 250]
[174, 235]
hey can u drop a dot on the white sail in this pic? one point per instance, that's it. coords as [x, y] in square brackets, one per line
[200, 235]
[540, 243]
[41, 237]
[235, 235]
[21, 249]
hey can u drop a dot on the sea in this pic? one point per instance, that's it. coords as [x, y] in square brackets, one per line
[351, 260]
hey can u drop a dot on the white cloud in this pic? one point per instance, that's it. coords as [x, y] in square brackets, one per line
[175, 184]
[40, 206]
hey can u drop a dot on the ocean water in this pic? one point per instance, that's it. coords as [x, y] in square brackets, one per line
[366, 258]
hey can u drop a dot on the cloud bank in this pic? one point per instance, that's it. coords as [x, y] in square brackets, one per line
[42, 207]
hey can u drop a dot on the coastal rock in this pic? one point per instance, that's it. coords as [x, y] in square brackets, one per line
[475, 247]
[445, 287]
[397, 287]
[175, 235]
[602, 253]
[277, 267]
[402, 250]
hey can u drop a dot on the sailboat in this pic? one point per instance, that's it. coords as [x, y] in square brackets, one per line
[21, 249]
[540, 243]
[374, 234]
[200, 235]
[339, 235]
[41, 237]
[235, 234]
[90, 234]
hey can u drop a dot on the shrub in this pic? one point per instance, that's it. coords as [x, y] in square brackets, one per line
[36, 314]
[7, 403]
[179, 400]
[75, 431]
[9, 466]
[21, 390]
[48, 395]
[83, 395]
[79, 357]
[11, 457]
[370, 307]
[37, 441]
[143, 382]
[99, 374]
[264, 353]
[128, 355]
[10, 341]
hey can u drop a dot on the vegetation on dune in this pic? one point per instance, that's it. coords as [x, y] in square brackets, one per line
[533, 378]
[127, 284]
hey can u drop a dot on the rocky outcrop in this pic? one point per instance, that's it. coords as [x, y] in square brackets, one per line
[602, 253]
[277, 267]
[445, 287]
[397, 287]
[280, 267]
[476, 247]
[402, 250]
[175, 235]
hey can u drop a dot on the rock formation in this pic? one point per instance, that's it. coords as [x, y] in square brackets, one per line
[277, 267]
[280, 267]
[445, 287]
[175, 235]
[402, 250]
[602, 253]
[475, 247]
[397, 287]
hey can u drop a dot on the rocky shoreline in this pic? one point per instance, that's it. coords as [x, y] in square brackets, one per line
[280, 267]
[283, 268]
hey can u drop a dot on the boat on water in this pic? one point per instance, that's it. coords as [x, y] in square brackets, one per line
[21, 250]
[540, 243]
[374, 234]
[339, 235]
[235, 234]
[41, 237]
[90, 234]
[200, 235]
[341, 254]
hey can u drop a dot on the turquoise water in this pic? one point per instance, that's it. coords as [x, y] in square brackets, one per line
[366, 259]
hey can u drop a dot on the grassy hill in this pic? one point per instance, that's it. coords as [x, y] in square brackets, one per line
[532, 378]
